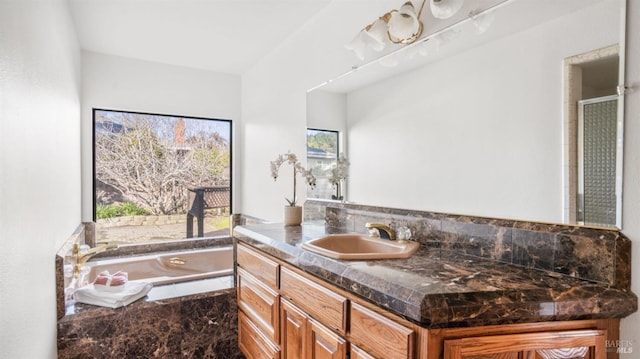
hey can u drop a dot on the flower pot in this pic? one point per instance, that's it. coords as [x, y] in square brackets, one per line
[292, 215]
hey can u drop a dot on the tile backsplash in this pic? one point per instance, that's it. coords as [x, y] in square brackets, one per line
[599, 255]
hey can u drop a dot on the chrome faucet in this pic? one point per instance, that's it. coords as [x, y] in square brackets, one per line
[385, 231]
[82, 257]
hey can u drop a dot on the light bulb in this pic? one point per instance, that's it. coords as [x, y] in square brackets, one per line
[444, 9]
[404, 25]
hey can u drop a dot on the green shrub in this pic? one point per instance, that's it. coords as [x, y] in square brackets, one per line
[130, 209]
[106, 211]
[119, 210]
[221, 222]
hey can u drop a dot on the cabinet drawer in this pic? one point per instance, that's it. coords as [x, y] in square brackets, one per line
[257, 264]
[357, 353]
[260, 303]
[320, 303]
[379, 335]
[252, 342]
[562, 344]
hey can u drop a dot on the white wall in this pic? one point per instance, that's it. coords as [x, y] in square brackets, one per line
[631, 179]
[327, 110]
[39, 167]
[476, 133]
[274, 99]
[118, 83]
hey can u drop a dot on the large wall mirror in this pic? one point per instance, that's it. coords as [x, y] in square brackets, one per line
[516, 113]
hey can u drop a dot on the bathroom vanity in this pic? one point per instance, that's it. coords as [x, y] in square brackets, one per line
[439, 303]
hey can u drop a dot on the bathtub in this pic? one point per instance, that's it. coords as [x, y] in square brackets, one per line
[169, 267]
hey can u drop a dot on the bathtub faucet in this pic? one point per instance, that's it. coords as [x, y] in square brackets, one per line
[81, 257]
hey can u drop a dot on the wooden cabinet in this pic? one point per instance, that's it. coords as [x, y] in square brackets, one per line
[319, 302]
[545, 340]
[286, 313]
[291, 316]
[263, 268]
[294, 329]
[358, 353]
[303, 337]
[546, 345]
[325, 344]
[260, 303]
[381, 336]
[252, 342]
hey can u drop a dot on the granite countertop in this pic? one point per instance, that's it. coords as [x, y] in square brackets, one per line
[440, 288]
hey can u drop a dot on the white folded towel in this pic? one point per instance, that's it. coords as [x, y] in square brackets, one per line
[131, 292]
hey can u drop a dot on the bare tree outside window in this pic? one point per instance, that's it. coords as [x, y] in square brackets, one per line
[147, 165]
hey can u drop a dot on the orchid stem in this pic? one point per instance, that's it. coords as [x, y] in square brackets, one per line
[294, 187]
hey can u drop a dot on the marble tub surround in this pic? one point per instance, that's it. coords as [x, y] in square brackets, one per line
[77, 237]
[442, 287]
[196, 319]
[595, 254]
[125, 250]
[196, 326]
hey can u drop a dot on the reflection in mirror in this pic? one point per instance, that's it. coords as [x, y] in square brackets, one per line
[480, 123]
[322, 157]
[597, 140]
[593, 142]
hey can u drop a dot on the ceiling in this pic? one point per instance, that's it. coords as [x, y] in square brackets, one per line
[227, 36]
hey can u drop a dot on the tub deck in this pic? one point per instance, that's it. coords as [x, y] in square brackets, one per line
[169, 267]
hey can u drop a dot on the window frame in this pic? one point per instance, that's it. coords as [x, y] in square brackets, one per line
[335, 160]
[93, 164]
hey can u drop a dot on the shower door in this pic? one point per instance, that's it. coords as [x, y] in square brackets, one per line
[597, 148]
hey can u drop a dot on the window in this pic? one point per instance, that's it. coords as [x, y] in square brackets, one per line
[155, 175]
[322, 157]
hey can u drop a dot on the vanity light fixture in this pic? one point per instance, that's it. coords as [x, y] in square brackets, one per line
[401, 26]
[481, 21]
[404, 25]
[444, 9]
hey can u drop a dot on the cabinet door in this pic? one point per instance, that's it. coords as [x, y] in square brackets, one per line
[293, 323]
[325, 344]
[303, 337]
[548, 345]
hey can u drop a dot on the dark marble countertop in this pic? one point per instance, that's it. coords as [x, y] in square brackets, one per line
[440, 288]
